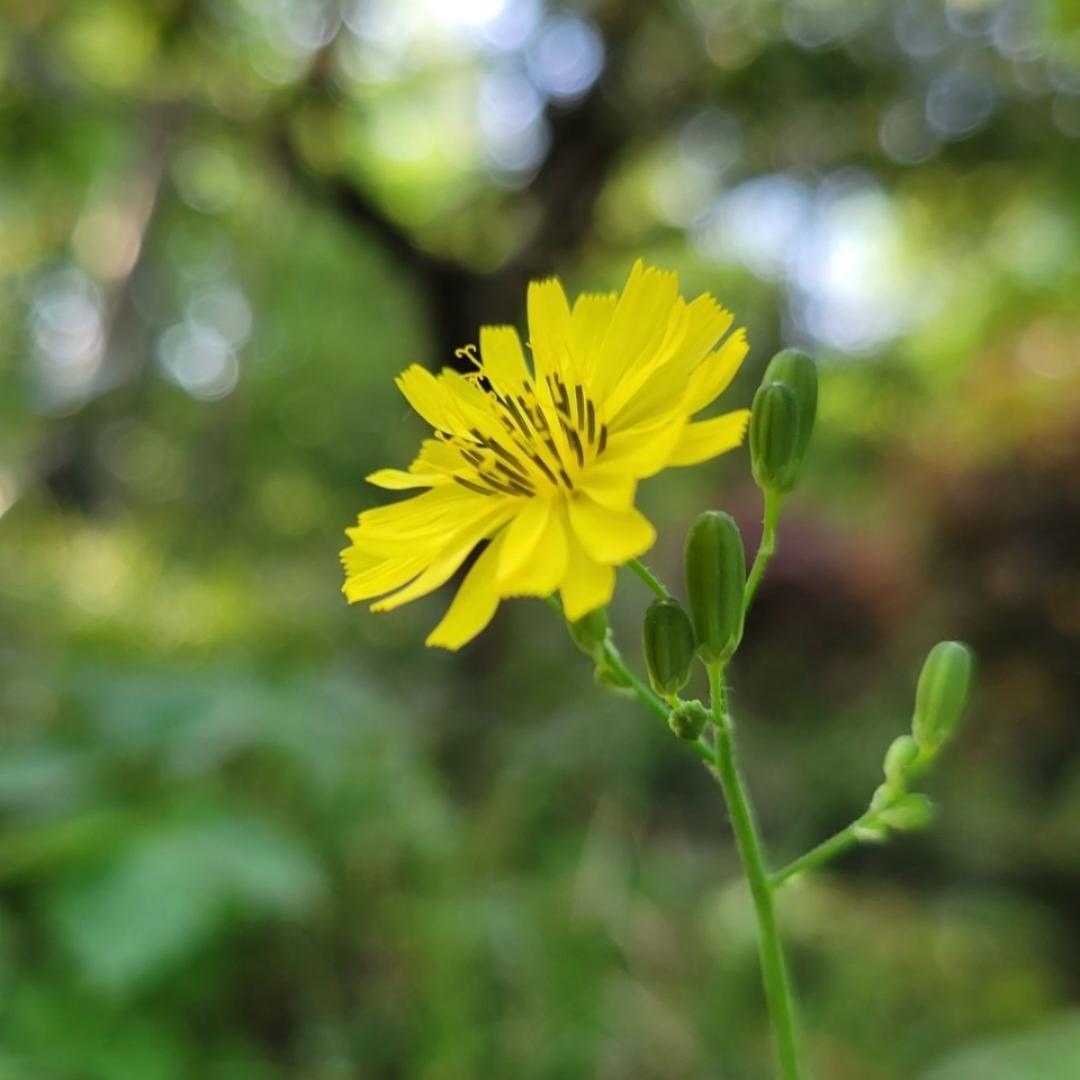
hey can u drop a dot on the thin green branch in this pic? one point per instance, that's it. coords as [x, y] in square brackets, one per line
[818, 856]
[645, 695]
[766, 549]
[650, 579]
[770, 949]
[612, 658]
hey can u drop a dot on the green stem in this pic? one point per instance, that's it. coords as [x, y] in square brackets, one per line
[650, 700]
[649, 578]
[766, 549]
[773, 967]
[614, 661]
[825, 851]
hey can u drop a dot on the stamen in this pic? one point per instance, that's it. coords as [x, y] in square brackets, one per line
[575, 443]
[515, 478]
[505, 455]
[467, 352]
[471, 486]
[538, 461]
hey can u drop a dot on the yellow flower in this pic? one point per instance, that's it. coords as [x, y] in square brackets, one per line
[544, 459]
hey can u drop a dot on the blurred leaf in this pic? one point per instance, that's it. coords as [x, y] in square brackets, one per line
[41, 778]
[173, 887]
[1047, 1053]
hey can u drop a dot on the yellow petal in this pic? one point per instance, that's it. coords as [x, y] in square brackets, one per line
[503, 358]
[609, 536]
[714, 374]
[436, 456]
[475, 603]
[533, 558]
[470, 405]
[549, 328]
[522, 536]
[379, 578]
[399, 480]
[587, 585]
[589, 323]
[707, 438]
[420, 511]
[661, 385]
[609, 484]
[426, 396]
[643, 452]
[447, 562]
[638, 327]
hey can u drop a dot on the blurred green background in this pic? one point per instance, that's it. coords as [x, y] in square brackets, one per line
[247, 833]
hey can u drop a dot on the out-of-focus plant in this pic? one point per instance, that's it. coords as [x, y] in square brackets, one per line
[542, 460]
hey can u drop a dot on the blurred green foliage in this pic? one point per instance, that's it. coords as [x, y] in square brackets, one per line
[248, 833]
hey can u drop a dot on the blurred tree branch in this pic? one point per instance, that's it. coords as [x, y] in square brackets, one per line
[587, 140]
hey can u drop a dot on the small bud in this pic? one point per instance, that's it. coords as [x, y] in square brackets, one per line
[668, 640]
[884, 796]
[911, 812]
[590, 631]
[688, 720]
[941, 695]
[799, 374]
[899, 758]
[715, 568]
[610, 679]
[870, 831]
[774, 433]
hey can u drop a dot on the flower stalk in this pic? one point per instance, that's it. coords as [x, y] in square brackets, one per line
[770, 948]
[539, 459]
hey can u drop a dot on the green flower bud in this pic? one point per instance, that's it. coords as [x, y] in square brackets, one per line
[590, 631]
[911, 812]
[941, 695]
[610, 679]
[688, 720]
[715, 568]
[774, 433]
[799, 374]
[668, 639]
[899, 758]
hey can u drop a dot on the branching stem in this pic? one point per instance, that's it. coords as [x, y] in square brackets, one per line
[766, 549]
[818, 856]
[650, 579]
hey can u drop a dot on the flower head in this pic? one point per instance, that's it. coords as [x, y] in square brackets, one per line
[543, 459]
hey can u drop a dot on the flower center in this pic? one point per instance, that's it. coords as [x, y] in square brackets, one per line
[539, 443]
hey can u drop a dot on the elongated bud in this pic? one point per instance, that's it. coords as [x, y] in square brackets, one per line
[688, 720]
[590, 631]
[799, 374]
[715, 582]
[941, 695]
[908, 813]
[899, 758]
[668, 639]
[774, 433]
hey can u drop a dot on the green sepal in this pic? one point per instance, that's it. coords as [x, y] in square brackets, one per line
[942, 693]
[774, 433]
[909, 813]
[668, 644]
[715, 566]
[902, 754]
[590, 631]
[611, 679]
[799, 374]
